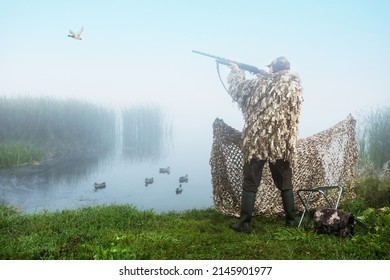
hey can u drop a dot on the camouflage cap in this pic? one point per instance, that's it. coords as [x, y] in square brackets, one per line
[280, 63]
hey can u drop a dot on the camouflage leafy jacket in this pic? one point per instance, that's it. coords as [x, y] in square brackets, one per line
[271, 107]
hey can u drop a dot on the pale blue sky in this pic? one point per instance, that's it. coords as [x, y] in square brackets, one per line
[140, 52]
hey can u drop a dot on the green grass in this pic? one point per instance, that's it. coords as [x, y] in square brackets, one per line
[123, 232]
[15, 154]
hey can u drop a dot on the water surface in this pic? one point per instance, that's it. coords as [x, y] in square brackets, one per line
[68, 184]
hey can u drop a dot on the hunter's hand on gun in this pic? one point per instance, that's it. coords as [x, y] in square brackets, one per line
[233, 66]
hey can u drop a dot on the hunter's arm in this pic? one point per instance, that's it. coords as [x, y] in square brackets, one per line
[240, 88]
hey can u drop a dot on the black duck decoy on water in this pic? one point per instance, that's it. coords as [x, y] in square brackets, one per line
[179, 189]
[99, 185]
[183, 179]
[148, 181]
[165, 170]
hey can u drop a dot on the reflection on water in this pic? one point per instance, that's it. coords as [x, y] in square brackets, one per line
[54, 171]
[146, 153]
[124, 184]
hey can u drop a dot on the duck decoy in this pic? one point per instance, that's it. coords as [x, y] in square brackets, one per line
[99, 185]
[76, 35]
[183, 179]
[179, 189]
[148, 181]
[165, 170]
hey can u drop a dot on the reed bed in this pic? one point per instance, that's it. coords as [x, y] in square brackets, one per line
[15, 154]
[59, 127]
[146, 133]
[373, 135]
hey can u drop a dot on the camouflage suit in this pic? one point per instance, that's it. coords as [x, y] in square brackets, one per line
[271, 108]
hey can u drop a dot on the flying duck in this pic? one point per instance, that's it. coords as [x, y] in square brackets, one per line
[76, 35]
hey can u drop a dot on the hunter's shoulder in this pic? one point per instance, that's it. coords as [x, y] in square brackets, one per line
[285, 75]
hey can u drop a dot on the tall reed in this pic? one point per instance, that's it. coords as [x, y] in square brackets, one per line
[60, 127]
[146, 132]
[374, 139]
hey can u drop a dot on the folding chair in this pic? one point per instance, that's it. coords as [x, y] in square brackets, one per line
[323, 191]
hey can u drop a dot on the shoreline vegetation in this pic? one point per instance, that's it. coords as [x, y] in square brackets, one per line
[123, 232]
[33, 130]
[43, 128]
[17, 154]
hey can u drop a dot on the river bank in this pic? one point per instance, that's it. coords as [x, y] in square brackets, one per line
[123, 232]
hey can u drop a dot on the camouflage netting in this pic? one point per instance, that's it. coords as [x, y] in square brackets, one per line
[324, 159]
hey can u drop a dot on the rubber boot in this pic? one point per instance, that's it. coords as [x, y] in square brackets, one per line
[288, 205]
[247, 205]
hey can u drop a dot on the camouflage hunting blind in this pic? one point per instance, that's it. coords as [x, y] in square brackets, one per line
[324, 159]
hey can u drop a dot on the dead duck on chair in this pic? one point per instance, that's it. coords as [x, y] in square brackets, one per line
[165, 170]
[183, 179]
[98, 186]
[148, 181]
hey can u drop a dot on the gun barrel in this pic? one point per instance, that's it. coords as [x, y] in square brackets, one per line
[221, 60]
[209, 55]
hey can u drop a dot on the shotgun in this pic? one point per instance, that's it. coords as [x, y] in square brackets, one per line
[225, 61]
